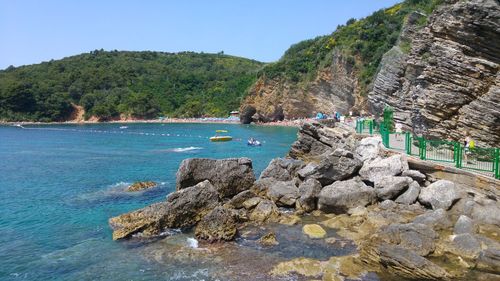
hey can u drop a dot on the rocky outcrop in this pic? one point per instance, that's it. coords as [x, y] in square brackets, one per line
[449, 82]
[229, 176]
[138, 186]
[218, 225]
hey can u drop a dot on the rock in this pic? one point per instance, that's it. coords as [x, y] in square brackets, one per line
[238, 200]
[368, 148]
[415, 175]
[137, 186]
[486, 211]
[339, 165]
[266, 210]
[387, 205]
[283, 193]
[302, 266]
[218, 225]
[489, 260]
[464, 224]
[437, 219]
[390, 187]
[315, 139]
[410, 196]
[252, 202]
[229, 176]
[269, 239]
[314, 231]
[308, 191]
[465, 245]
[440, 194]
[261, 186]
[405, 263]
[343, 195]
[290, 219]
[246, 114]
[358, 211]
[282, 169]
[392, 166]
[412, 236]
[183, 208]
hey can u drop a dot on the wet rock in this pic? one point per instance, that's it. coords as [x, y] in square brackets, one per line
[182, 208]
[440, 194]
[339, 165]
[283, 193]
[392, 166]
[314, 231]
[137, 186]
[464, 224]
[412, 236]
[410, 196]
[282, 169]
[343, 195]
[302, 266]
[489, 260]
[218, 225]
[415, 175]
[437, 219]
[269, 240]
[368, 148]
[229, 176]
[465, 245]
[308, 191]
[238, 200]
[290, 219]
[266, 210]
[390, 187]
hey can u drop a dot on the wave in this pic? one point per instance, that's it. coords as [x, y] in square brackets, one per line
[184, 149]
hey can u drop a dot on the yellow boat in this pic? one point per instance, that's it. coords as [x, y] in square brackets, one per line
[220, 138]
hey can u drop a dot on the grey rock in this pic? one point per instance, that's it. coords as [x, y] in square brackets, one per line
[340, 196]
[261, 186]
[238, 200]
[283, 193]
[387, 205]
[392, 166]
[464, 224]
[266, 210]
[412, 236]
[308, 191]
[390, 187]
[410, 195]
[368, 148]
[440, 194]
[282, 169]
[339, 165]
[252, 202]
[182, 208]
[465, 245]
[489, 260]
[218, 225]
[308, 170]
[437, 219]
[246, 114]
[486, 211]
[414, 174]
[229, 176]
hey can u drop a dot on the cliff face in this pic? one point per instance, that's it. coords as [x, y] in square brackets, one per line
[335, 88]
[448, 84]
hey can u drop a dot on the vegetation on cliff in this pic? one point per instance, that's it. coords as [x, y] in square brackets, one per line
[135, 84]
[362, 41]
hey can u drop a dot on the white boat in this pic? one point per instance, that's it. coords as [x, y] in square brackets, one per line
[123, 127]
[253, 142]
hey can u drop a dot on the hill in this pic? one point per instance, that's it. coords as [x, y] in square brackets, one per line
[118, 84]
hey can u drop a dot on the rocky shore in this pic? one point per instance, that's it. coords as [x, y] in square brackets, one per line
[408, 220]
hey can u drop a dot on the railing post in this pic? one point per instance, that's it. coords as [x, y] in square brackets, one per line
[458, 155]
[371, 127]
[496, 163]
[422, 150]
[407, 143]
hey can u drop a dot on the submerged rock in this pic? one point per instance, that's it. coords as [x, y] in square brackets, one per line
[343, 195]
[437, 219]
[182, 208]
[441, 194]
[137, 186]
[314, 231]
[218, 225]
[229, 176]
[269, 239]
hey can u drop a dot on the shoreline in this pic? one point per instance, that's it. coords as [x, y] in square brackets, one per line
[284, 123]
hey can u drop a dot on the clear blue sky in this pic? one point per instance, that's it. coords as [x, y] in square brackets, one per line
[33, 31]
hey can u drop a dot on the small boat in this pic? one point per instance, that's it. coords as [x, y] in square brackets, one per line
[123, 127]
[218, 138]
[253, 142]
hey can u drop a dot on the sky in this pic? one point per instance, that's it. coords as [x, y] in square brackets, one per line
[33, 31]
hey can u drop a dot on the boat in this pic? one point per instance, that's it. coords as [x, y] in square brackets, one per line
[253, 142]
[218, 138]
[123, 127]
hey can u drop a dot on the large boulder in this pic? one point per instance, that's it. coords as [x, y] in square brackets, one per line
[414, 174]
[412, 236]
[339, 165]
[282, 169]
[308, 192]
[266, 210]
[390, 187]
[437, 219]
[182, 208]
[218, 225]
[229, 176]
[440, 194]
[392, 166]
[368, 148]
[410, 195]
[283, 193]
[340, 196]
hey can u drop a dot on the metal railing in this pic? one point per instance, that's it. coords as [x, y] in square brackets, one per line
[484, 160]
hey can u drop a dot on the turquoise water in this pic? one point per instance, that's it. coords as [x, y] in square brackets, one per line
[59, 184]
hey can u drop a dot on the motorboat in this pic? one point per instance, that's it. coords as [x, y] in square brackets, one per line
[123, 127]
[219, 138]
[253, 142]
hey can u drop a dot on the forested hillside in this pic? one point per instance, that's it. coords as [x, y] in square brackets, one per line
[133, 84]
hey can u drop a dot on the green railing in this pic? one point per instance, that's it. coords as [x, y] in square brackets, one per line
[486, 160]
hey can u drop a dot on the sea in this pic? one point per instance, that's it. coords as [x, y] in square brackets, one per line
[59, 185]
